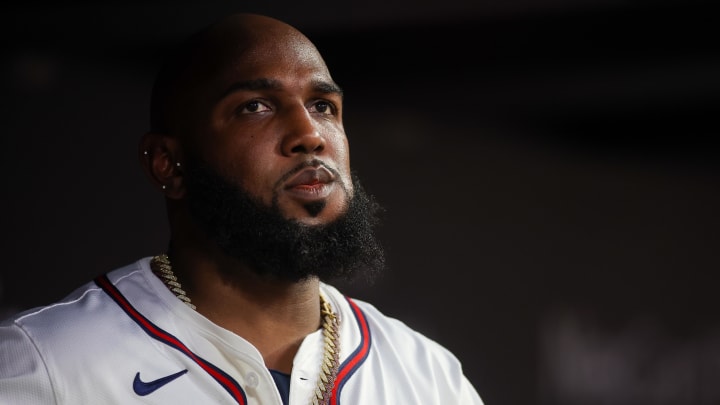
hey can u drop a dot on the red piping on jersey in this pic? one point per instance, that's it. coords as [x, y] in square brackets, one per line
[230, 385]
[355, 360]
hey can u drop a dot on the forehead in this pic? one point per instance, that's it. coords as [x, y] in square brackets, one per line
[284, 61]
[252, 50]
[283, 56]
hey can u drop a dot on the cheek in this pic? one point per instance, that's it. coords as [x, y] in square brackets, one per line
[248, 165]
[343, 162]
[257, 175]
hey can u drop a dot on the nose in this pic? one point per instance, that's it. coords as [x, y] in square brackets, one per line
[301, 134]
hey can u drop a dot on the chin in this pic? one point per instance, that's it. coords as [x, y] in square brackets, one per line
[317, 213]
[316, 220]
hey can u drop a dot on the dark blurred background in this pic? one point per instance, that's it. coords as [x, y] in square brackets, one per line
[549, 169]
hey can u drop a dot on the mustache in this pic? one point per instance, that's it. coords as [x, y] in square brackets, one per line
[314, 163]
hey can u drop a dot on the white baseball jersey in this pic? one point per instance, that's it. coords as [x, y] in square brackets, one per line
[126, 339]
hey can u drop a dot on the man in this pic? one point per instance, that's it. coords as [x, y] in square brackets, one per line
[247, 144]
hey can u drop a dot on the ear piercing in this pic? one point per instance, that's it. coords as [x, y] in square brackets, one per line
[177, 164]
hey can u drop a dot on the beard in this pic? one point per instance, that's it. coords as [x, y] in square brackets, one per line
[278, 248]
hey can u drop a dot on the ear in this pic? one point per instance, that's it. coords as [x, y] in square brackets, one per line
[160, 156]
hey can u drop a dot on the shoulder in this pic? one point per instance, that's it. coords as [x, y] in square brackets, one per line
[41, 345]
[362, 317]
[378, 348]
[80, 307]
[392, 334]
[78, 323]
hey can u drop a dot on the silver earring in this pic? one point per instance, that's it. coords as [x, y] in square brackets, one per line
[145, 153]
[164, 187]
[177, 164]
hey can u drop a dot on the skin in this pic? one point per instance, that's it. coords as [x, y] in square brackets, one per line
[262, 103]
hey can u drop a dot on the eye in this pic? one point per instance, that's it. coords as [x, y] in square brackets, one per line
[252, 107]
[323, 107]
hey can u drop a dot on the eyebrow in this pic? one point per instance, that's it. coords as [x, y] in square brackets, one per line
[271, 84]
[328, 88]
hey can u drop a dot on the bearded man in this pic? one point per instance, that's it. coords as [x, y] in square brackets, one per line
[248, 147]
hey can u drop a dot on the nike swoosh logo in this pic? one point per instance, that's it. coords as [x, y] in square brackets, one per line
[143, 388]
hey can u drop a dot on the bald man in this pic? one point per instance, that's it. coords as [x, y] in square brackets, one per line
[247, 146]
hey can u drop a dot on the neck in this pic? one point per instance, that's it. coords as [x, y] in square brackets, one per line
[273, 315]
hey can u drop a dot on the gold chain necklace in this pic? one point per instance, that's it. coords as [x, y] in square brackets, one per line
[162, 268]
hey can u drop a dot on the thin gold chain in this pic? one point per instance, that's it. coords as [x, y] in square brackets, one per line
[162, 268]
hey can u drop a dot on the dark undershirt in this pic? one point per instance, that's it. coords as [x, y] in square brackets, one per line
[282, 381]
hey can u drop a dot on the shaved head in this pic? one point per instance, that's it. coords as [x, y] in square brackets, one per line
[187, 81]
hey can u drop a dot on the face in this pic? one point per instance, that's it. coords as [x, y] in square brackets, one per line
[271, 123]
[266, 166]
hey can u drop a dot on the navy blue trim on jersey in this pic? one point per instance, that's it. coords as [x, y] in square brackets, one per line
[227, 382]
[357, 358]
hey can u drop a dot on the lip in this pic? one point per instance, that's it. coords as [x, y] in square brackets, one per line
[311, 183]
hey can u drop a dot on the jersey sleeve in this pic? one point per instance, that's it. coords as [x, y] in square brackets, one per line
[452, 384]
[23, 376]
